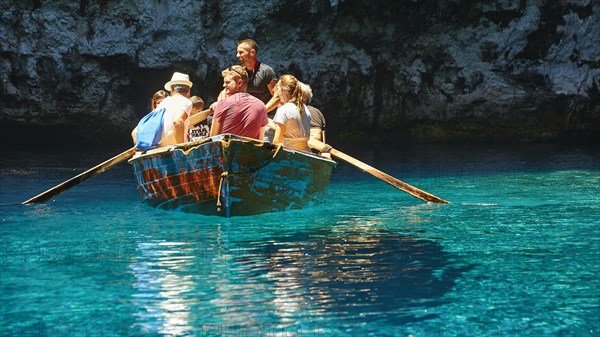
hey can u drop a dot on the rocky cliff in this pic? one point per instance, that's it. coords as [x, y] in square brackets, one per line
[418, 69]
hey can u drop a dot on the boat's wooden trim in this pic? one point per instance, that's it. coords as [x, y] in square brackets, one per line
[187, 146]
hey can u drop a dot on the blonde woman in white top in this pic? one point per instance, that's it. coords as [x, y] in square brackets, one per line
[292, 119]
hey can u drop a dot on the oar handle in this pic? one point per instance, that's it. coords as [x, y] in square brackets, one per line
[199, 117]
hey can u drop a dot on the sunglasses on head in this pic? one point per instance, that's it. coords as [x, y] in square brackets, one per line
[233, 69]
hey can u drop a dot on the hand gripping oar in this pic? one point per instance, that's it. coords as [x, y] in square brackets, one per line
[105, 165]
[415, 192]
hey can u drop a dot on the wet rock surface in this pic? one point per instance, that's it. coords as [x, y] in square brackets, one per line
[419, 70]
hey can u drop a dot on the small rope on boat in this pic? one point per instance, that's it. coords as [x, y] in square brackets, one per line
[326, 149]
[223, 176]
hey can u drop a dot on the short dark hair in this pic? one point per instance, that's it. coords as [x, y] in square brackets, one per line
[180, 88]
[251, 43]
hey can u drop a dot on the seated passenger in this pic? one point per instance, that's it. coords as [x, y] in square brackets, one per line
[202, 129]
[239, 113]
[177, 108]
[154, 102]
[158, 97]
[317, 120]
[292, 119]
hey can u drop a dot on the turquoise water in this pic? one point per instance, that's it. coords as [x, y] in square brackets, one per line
[517, 253]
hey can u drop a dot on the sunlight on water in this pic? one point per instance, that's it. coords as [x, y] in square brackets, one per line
[517, 253]
[159, 288]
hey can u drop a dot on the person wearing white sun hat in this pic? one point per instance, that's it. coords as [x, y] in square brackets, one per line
[177, 109]
[178, 78]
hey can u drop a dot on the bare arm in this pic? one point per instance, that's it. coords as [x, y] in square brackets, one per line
[179, 127]
[271, 86]
[274, 102]
[316, 133]
[261, 133]
[215, 128]
[134, 135]
[279, 131]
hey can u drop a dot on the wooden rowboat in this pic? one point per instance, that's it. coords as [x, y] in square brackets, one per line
[253, 176]
[231, 175]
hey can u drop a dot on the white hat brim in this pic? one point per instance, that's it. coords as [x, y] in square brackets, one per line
[170, 83]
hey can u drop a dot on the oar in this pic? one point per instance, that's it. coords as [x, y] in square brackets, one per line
[199, 117]
[60, 188]
[105, 165]
[322, 147]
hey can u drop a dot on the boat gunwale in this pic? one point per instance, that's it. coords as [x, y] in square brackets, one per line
[226, 137]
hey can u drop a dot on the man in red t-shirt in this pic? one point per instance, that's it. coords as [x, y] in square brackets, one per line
[239, 113]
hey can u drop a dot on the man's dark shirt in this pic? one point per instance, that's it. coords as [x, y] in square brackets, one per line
[317, 120]
[258, 81]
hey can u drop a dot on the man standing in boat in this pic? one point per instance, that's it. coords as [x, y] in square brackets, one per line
[261, 79]
[239, 113]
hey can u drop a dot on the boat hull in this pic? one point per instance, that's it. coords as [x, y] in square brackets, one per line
[231, 175]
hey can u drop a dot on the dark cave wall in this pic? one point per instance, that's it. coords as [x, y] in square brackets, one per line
[426, 70]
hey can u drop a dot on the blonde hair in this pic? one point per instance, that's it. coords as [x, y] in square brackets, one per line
[307, 93]
[237, 72]
[291, 84]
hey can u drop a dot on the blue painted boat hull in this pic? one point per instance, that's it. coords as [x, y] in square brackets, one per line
[231, 175]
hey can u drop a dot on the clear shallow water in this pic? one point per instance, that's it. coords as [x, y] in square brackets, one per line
[517, 253]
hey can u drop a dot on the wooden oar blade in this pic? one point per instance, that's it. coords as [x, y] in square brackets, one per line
[388, 178]
[425, 196]
[63, 187]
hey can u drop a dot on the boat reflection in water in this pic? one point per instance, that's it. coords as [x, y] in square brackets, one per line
[282, 283]
[358, 275]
